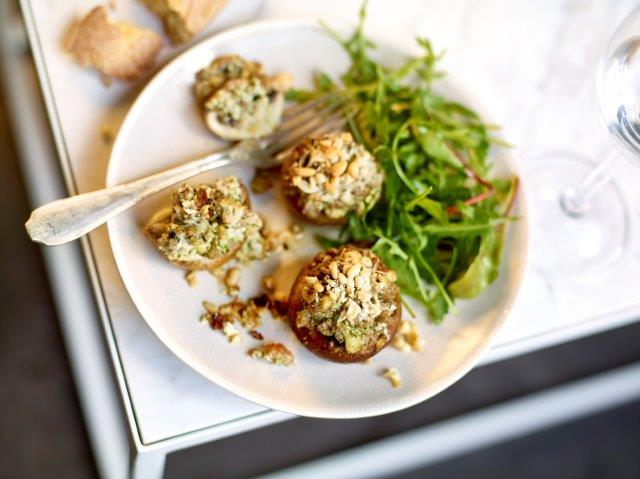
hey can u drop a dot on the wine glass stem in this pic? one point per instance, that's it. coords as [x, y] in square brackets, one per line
[576, 201]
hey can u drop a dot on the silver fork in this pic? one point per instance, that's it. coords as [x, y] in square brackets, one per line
[67, 219]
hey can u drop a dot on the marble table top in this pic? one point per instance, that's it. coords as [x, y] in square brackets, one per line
[531, 62]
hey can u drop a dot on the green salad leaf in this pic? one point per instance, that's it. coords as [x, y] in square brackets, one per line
[440, 221]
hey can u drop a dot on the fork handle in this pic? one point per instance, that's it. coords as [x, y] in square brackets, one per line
[68, 219]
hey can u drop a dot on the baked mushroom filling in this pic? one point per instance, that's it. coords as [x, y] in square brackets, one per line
[207, 221]
[335, 176]
[239, 100]
[348, 297]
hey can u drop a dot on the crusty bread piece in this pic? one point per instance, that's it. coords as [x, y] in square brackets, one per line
[116, 49]
[184, 18]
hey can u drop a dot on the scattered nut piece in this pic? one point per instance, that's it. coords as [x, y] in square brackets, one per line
[274, 353]
[394, 377]
[231, 332]
[191, 278]
[231, 280]
[408, 338]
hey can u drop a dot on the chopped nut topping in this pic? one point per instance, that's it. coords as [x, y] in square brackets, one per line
[355, 307]
[274, 353]
[355, 176]
[394, 377]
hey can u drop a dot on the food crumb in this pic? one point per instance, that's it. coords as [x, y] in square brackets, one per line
[231, 332]
[274, 353]
[394, 377]
[368, 361]
[247, 313]
[107, 134]
[191, 278]
[262, 181]
[256, 335]
[231, 281]
[268, 284]
[408, 338]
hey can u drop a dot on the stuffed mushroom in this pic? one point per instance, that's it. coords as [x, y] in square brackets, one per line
[206, 225]
[239, 101]
[344, 305]
[327, 178]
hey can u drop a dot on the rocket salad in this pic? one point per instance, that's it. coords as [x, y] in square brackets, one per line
[440, 220]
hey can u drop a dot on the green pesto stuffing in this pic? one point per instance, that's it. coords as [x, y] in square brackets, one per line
[207, 221]
[238, 99]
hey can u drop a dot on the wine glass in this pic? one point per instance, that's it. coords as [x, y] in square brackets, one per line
[582, 222]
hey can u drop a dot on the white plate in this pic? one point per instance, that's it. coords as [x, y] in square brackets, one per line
[164, 128]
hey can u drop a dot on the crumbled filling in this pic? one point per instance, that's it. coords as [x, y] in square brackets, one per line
[393, 375]
[349, 297]
[207, 221]
[274, 353]
[222, 69]
[261, 242]
[408, 338]
[334, 176]
[246, 313]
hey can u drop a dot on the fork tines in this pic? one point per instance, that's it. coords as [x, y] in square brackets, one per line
[316, 117]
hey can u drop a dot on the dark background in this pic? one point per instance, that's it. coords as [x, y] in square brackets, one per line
[42, 434]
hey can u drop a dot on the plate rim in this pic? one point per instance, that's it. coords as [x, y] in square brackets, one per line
[268, 25]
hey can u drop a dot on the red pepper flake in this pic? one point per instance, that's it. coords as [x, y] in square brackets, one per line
[256, 335]
[217, 320]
